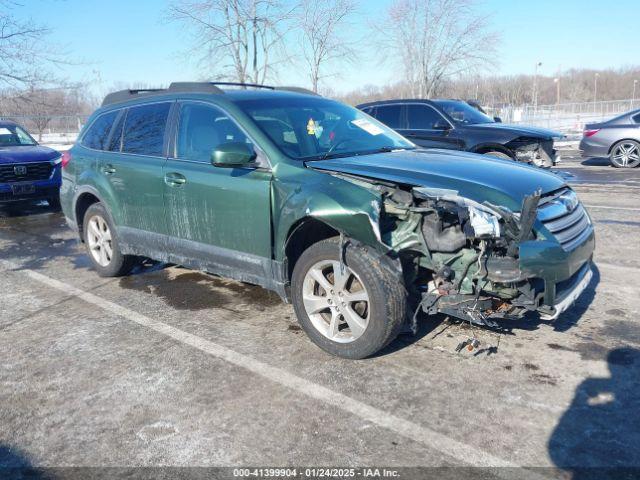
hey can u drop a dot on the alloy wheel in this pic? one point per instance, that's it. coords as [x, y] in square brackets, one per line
[99, 240]
[336, 301]
[626, 154]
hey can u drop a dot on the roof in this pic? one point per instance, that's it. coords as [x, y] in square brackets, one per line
[409, 100]
[7, 123]
[246, 90]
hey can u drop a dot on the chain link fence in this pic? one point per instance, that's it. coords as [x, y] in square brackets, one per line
[567, 118]
[50, 129]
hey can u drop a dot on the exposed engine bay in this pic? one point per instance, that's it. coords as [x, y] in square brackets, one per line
[459, 257]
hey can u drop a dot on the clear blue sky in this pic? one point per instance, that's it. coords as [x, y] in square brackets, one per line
[130, 41]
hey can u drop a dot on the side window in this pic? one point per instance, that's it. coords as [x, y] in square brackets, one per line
[144, 129]
[201, 128]
[422, 117]
[116, 136]
[390, 115]
[98, 133]
[636, 118]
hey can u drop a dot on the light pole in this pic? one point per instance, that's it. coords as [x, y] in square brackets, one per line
[557, 82]
[595, 87]
[633, 96]
[534, 94]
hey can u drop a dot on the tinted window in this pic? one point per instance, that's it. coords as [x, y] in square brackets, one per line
[98, 133]
[144, 129]
[462, 112]
[116, 136]
[390, 115]
[636, 118]
[201, 129]
[422, 117]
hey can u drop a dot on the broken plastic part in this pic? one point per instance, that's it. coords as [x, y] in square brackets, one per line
[484, 224]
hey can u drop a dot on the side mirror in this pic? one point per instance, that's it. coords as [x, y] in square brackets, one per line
[497, 119]
[441, 125]
[233, 154]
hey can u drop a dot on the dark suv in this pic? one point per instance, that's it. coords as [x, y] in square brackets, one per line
[334, 211]
[456, 125]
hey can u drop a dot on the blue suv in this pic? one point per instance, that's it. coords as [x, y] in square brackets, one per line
[28, 171]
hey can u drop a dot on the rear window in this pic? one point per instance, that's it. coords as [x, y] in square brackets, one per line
[144, 129]
[98, 133]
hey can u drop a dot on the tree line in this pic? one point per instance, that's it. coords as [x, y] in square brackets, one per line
[440, 48]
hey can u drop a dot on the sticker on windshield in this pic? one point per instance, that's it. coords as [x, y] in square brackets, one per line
[314, 128]
[5, 131]
[367, 126]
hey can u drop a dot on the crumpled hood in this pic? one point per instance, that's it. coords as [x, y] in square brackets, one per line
[478, 177]
[27, 154]
[518, 130]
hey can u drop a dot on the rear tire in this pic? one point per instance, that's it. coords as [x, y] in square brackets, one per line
[625, 154]
[367, 287]
[101, 242]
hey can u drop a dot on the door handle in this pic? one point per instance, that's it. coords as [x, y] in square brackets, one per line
[109, 169]
[174, 179]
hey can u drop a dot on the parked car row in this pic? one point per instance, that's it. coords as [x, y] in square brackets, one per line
[357, 226]
[456, 125]
[618, 139]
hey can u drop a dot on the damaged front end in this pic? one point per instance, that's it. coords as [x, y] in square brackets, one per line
[534, 151]
[461, 256]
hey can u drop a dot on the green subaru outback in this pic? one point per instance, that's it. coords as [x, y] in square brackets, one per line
[317, 201]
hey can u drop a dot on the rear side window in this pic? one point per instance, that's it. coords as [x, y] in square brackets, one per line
[422, 117]
[636, 118]
[98, 133]
[116, 135]
[144, 129]
[390, 115]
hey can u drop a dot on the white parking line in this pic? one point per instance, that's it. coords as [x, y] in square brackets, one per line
[606, 207]
[448, 446]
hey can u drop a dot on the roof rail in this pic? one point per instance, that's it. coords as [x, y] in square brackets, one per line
[124, 95]
[191, 87]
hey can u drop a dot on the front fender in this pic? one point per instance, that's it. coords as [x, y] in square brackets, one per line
[344, 206]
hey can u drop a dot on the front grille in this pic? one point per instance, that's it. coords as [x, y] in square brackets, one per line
[565, 217]
[24, 172]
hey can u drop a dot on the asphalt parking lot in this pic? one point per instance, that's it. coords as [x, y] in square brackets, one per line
[175, 367]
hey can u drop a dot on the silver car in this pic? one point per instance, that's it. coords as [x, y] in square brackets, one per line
[618, 139]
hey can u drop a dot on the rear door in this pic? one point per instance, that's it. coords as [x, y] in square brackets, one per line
[133, 168]
[428, 128]
[219, 217]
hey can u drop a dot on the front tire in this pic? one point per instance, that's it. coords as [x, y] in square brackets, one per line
[351, 311]
[102, 245]
[625, 154]
[497, 154]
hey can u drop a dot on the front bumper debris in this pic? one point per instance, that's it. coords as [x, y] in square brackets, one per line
[566, 299]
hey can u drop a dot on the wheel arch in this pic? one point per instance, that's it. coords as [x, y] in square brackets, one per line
[492, 147]
[302, 234]
[619, 141]
[85, 197]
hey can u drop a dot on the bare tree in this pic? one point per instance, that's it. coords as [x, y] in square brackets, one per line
[437, 40]
[323, 24]
[24, 52]
[240, 39]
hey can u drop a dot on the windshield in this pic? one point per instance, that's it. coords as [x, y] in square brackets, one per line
[307, 128]
[14, 136]
[462, 112]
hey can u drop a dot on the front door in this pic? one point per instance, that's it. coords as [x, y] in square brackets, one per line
[218, 218]
[427, 128]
